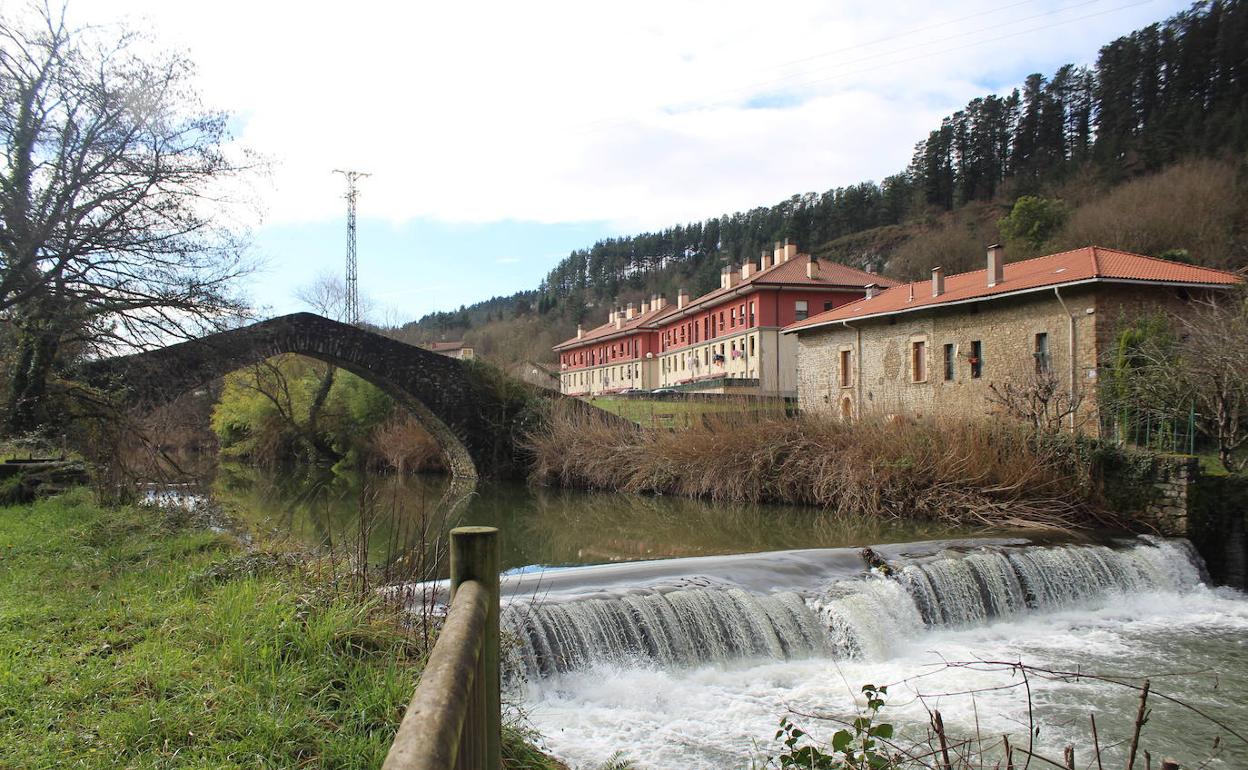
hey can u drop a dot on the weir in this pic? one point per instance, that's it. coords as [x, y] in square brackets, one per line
[798, 604]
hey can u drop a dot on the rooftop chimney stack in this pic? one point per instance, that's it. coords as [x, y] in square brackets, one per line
[619, 318]
[938, 281]
[682, 299]
[645, 306]
[660, 302]
[732, 276]
[996, 264]
[580, 331]
[765, 262]
[747, 269]
[790, 250]
[778, 254]
[872, 290]
[812, 267]
[632, 311]
[723, 278]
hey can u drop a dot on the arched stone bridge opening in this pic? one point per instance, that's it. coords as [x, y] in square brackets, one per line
[474, 412]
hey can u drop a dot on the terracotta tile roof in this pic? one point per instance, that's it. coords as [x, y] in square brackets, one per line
[608, 329]
[791, 273]
[1091, 263]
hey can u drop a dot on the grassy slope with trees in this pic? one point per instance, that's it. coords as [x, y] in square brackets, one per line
[1144, 151]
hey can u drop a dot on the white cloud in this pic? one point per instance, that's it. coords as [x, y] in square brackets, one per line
[636, 113]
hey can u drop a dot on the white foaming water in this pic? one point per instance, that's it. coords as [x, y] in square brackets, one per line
[844, 617]
[623, 674]
[724, 716]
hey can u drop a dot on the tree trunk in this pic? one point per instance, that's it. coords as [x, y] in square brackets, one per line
[26, 407]
[313, 432]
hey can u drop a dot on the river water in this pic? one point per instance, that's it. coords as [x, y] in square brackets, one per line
[678, 633]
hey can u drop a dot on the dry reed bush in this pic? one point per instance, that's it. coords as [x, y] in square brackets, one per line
[401, 443]
[962, 472]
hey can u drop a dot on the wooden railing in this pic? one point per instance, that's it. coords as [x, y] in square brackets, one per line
[454, 721]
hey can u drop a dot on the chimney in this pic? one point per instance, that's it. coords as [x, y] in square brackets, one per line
[790, 250]
[872, 290]
[645, 306]
[938, 281]
[765, 262]
[632, 311]
[682, 298]
[996, 264]
[812, 267]
[660, 301]
[778, 255]
[747, 269]
[732, 276]
[580, 331]
[723, 278]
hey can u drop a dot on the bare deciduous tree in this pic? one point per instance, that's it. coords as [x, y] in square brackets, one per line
[1041, 400]
[1213, 371]
[1196, 360]
[110, 185]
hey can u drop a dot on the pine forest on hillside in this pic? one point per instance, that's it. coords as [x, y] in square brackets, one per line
[1143, 151]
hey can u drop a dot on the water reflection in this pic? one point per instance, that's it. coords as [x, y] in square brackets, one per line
[383, 516]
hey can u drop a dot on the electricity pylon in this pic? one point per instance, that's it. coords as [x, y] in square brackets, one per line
[352, 310]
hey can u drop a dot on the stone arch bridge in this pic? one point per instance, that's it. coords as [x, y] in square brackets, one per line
[475, 412]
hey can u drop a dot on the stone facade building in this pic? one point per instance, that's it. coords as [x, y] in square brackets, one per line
[956, 345]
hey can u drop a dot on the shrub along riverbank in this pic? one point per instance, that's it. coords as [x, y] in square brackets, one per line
[964, 472]
[136, 638]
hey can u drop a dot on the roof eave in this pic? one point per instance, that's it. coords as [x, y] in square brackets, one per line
[1002, 295]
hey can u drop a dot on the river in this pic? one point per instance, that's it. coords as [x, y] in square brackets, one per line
[703, 625]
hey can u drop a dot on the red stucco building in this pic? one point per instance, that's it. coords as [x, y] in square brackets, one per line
[726, 340]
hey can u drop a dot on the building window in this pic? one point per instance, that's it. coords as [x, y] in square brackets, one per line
[1042, 353]
[751, 313]
[977, 359]
[751, 344]
[918, 361]
[800, 313]
[949, 359]
[827, 306]
[845, 373]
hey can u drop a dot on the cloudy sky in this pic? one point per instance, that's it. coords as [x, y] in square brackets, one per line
[500, 136]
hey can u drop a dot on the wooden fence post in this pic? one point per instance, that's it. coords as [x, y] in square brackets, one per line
[474, 556]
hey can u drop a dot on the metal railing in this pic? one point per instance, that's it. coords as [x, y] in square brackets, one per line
[455, 719]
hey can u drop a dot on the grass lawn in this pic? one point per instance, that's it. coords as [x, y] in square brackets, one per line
[132, 639]
[680, 413]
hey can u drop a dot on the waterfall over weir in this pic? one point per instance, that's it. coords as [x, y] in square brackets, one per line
[706, 616]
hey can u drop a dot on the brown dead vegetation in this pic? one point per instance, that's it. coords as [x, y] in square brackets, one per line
[961, 472]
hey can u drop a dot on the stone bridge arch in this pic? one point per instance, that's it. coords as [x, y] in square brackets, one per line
[472, 413]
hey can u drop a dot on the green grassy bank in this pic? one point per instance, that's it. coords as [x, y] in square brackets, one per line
[683, 413]
[132, 638]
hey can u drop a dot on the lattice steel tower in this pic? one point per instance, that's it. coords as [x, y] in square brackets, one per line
[352, 310]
